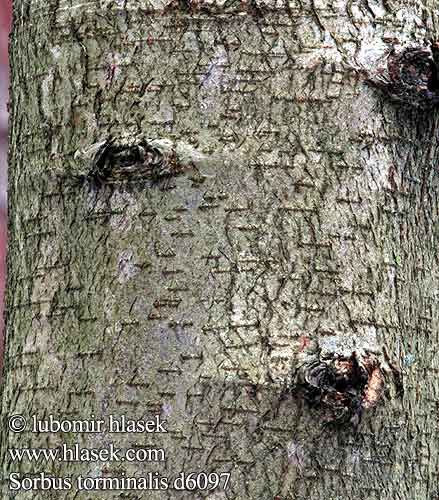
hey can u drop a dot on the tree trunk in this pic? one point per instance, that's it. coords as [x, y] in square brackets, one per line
[219, 221]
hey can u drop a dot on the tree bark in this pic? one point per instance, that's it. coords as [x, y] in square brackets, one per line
[212, 215]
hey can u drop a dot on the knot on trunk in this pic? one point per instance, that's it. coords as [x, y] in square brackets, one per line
[341, 387]
[410, 75]
[151, 161]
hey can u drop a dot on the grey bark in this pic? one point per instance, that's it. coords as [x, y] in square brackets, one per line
[309, 211]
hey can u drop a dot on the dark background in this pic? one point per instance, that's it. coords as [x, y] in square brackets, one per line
[5, 21]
